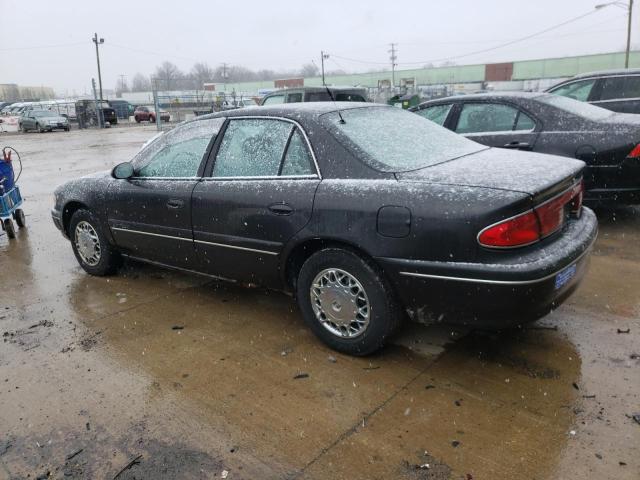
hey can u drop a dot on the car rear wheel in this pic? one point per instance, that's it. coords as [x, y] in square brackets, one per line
[347, 302]
[152, 119]
[39, 128]
[92, 249]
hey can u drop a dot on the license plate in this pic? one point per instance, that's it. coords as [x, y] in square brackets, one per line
[565, 275]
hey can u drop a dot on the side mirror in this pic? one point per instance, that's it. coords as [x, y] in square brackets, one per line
[122, 171]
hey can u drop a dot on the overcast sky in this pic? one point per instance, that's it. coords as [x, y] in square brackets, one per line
[49, 43]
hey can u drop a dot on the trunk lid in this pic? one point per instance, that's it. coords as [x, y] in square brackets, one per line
[535, 174]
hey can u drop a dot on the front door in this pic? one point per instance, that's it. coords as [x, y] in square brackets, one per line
[497, 125]
[259, 195]
[150, 213]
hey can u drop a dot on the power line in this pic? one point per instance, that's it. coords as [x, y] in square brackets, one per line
[39, 47]
[476, 52]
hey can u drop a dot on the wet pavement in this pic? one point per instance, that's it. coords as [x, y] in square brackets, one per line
[155, 374]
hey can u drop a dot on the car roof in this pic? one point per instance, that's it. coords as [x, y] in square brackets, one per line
[306, 110]
[608, 73]
[315, 89]
[486, 96]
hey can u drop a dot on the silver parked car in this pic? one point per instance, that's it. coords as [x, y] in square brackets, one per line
[42, 121]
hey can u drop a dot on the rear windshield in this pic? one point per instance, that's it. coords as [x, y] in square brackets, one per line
[581, 109]
[394, 140]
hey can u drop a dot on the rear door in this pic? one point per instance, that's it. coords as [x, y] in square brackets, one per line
[150, 213]
[258, 196]
[496, 125]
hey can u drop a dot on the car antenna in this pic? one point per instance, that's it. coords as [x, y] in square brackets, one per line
[342, 122]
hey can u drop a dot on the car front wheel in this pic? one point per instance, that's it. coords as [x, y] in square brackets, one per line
[347, 302]
[90, 245]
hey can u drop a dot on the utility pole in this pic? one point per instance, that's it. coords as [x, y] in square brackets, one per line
[156, 103]
[626, 57]
[123, 83]
[98, 42]
[393, 59]
[323, 57]
[629, 8]
[224, 76]
[95, 99]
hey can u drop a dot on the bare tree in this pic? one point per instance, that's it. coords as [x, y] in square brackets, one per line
[169, 75]
[201, 73]
[140, 83]
[309, 70]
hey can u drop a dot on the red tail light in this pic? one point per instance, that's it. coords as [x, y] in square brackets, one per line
[536, 224]
[635, 153]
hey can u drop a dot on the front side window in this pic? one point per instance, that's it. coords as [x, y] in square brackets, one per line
[252, 148]
[576, 90]
[394, 140]
[177, 153]
[437, 113]
[274, 99]
[486, 117]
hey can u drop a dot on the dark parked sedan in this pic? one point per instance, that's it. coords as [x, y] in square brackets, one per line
[616, 90]
[364, 213]
[609, 143]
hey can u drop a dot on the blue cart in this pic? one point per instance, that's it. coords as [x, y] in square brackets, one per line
[10, 198]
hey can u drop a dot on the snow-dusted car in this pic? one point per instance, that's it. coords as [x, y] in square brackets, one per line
[365, 212]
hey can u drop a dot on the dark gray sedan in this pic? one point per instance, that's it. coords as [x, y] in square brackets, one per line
[364, 212]
[608, 142]
[42, 121]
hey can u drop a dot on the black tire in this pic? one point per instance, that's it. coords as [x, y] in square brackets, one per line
[22, 129]
[8, 227]
[137, 119]
[67, 129]
[108, 260]
[39, 128]
[18, 216]
[152, 119]
[385, 313]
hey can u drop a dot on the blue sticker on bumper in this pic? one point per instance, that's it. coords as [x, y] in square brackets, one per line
[565, 276]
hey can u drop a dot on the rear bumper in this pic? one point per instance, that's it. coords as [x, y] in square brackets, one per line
[496, 295]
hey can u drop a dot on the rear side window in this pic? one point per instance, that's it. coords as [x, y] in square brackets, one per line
[486, 117]
[275, 99]
[298, 160]
[577, 90]
[252, 148]
[437, 113]
[620, 87]
[317, 97]
[294, 97]
[524, 122]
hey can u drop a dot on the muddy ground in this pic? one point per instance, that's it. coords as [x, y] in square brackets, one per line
[97, 382]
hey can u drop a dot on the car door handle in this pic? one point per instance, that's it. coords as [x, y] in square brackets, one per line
[281, 209]
[175, 203]
[517, 145]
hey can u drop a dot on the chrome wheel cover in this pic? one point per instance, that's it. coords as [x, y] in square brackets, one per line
[340, 303]
[87, 243]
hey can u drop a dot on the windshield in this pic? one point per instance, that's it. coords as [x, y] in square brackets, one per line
[42, 113]
[395, 140]
[581, 109]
